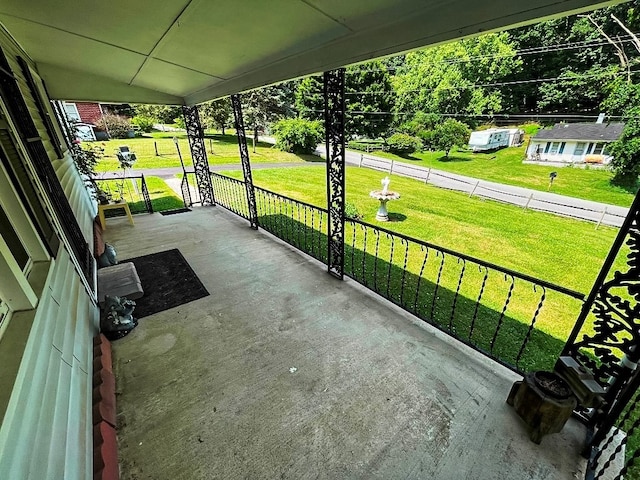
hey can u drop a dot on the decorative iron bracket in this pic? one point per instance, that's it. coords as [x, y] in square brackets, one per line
[244, 157]
[195, 133]
[334, 109]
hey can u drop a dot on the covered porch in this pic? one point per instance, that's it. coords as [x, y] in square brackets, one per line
[286, 372]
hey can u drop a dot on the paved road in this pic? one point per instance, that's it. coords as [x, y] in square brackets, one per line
[524, 197]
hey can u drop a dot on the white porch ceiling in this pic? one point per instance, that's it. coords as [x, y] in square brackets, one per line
[187, 52]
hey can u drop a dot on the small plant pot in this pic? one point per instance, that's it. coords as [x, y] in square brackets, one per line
[544, 401]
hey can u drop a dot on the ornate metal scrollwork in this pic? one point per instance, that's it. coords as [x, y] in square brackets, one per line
[616, 338]
[244, 157]
[195, 132]
[334, 108]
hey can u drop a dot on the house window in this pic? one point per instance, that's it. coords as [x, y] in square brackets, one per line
[579, 151]
[546, 147]
[554, 148]
[598, 148]
[72, 112]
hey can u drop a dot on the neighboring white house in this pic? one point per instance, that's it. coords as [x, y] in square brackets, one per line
[494, 138]
[574, 143]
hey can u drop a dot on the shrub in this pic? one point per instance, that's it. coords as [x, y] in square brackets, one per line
[366, 146]
[116, 126]
[449, 134]
[179, 122]
[297, 135]
[403, 144]
[143, 122]
[351, 211]
[428, 138]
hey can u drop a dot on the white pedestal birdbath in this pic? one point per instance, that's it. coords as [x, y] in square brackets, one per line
[383, 196]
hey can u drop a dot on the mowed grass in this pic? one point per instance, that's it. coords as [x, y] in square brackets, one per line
[563, 251]
[505, 166]
[553, 248]
[221, 150]
[162, 196]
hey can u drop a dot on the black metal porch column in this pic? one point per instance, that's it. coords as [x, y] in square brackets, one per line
[195, 133]
[244, 157]
[606, 336]
[334, 109]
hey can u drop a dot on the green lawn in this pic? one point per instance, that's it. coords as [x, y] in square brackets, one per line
[162, 196]
[221, 149]
[505, 166]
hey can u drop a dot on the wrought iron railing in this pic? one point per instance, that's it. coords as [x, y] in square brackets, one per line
[231, 194]
[500, 312]
[617, 455]
[132, 190]
[300, 224]
[493, 309]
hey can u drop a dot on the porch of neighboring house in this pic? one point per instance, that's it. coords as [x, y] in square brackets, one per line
[286, 372]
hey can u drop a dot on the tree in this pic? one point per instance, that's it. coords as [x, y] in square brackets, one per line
[626, 152]
[161, 113]
[450, 133]
[265, 105]
[369, 99]
[574, 50]
[456, 78]
[217, 114]
[297, 135]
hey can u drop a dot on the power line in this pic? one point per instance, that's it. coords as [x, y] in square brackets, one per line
[597, 42]
[499, 84]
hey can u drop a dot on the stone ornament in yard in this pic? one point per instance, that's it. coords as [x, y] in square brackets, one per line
[383, 196]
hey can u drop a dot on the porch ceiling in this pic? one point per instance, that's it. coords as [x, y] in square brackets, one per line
[190, 51]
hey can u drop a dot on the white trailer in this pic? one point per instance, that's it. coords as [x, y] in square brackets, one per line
[495, 138]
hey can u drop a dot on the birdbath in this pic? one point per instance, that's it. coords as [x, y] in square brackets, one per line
[383, 196]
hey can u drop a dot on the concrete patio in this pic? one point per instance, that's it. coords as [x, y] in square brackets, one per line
[286, 372]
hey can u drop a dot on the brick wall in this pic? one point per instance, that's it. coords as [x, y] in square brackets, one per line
[89, 112]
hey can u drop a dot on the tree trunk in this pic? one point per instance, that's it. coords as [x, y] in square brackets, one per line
[222, 129]
[255, 137]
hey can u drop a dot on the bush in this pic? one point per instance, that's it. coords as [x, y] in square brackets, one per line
[403, 144]
[366, 146]
[143, 122]
[297, 135]
[428, 138]
[115, 125]
[179, 123]
[351, 211]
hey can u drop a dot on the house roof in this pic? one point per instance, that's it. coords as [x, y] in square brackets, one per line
[190, 51]
[602, 132]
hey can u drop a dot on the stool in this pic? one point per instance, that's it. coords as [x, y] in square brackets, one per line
[113, 206]
[119, 281]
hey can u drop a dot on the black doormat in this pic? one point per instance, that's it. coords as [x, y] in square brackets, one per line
[167, 280]
[174, 211]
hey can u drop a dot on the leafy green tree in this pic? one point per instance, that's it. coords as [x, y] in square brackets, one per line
[297, 135]
[161, 113]
[626, 151]
[574, 51]
[266, 105]
[217, 113]
[450, 133]
[369, 99]
[456, 78]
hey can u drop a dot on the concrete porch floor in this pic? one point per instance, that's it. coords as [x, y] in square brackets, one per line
[286, 372]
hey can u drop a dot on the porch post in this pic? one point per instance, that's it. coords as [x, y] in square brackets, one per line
[244, 157]
[195, 133]
[334, 109]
